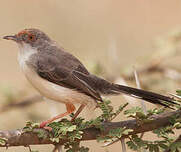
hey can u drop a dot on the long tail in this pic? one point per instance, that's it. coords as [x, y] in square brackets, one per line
[107, 88]
[142, 94]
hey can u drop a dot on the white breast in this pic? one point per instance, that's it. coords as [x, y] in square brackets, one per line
[46, 88]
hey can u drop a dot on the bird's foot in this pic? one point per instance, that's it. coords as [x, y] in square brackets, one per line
[43, 125]
[48, 128]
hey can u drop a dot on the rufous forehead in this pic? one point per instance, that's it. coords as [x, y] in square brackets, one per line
[24, 32]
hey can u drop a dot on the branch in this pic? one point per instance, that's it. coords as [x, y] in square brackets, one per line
[21, 138]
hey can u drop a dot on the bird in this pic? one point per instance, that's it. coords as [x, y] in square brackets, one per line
[60, 76]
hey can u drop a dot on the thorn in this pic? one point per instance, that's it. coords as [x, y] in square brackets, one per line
[174, 95]
[110, 143]
[7, 146]
[57, 148]
[29, 148]
[139, 87]
[123, 144]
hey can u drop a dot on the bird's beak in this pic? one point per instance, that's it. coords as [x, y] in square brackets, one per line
[11, 37]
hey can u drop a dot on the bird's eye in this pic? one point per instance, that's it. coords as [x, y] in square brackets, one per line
[31, 37]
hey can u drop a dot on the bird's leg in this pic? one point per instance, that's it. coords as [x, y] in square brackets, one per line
[78, 111]
[70, 108]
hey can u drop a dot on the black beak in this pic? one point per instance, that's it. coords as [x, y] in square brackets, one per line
[11, 37]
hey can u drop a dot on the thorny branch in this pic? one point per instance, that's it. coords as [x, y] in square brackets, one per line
[21, 138]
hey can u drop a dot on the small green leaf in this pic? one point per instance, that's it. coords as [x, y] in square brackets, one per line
[3, 141]
[178, 92]
[41, 133]
[35, 125]
[175, 145]
[127, 131]
[163, 146]
[27, 129]
[83, 149]
[141, 115]
[72, 128]
[56, 140]
[132, 145]
[132, 112]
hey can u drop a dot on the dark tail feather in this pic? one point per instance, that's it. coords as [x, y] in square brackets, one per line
[142, 94]
[107, 88]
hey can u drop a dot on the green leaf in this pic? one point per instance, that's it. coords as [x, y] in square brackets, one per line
[3, 141]
[132, 112]
[178, 92]
[41, 133]
[121, 107]
[155, 111]
[84, 149]
[72, 128]
[175, 145]
[132, 145]
[118, 111]
[27, 129]
[116, 132]
[141, 115]
[163, 146]
[177, 125]
[127, 131]
[56, 140]
[35, 125]
[107, 109]
[30, 126]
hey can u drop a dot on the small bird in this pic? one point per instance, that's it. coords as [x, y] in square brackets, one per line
[60, 76]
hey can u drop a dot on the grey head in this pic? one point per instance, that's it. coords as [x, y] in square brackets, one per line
[33, 37]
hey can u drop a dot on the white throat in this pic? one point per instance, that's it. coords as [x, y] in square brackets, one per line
[24, 54]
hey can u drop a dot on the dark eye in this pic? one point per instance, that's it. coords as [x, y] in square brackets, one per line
[31, 37]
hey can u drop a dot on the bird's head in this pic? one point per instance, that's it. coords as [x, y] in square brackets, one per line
[30, 37]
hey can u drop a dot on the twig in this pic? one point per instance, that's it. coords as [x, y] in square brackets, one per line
[142, 102]
[139, 87]
[21, 138]
[123, 144]
[29, 149]
[176, 96]
[110, 143]
[57, 148]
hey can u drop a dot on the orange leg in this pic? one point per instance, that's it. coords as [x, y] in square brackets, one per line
[78, 111]
[70, 108]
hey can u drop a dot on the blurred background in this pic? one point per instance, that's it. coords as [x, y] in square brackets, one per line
[112, 38]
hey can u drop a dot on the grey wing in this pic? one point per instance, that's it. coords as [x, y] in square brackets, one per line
[52, 70]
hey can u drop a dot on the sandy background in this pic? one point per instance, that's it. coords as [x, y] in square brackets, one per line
[114, 34]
